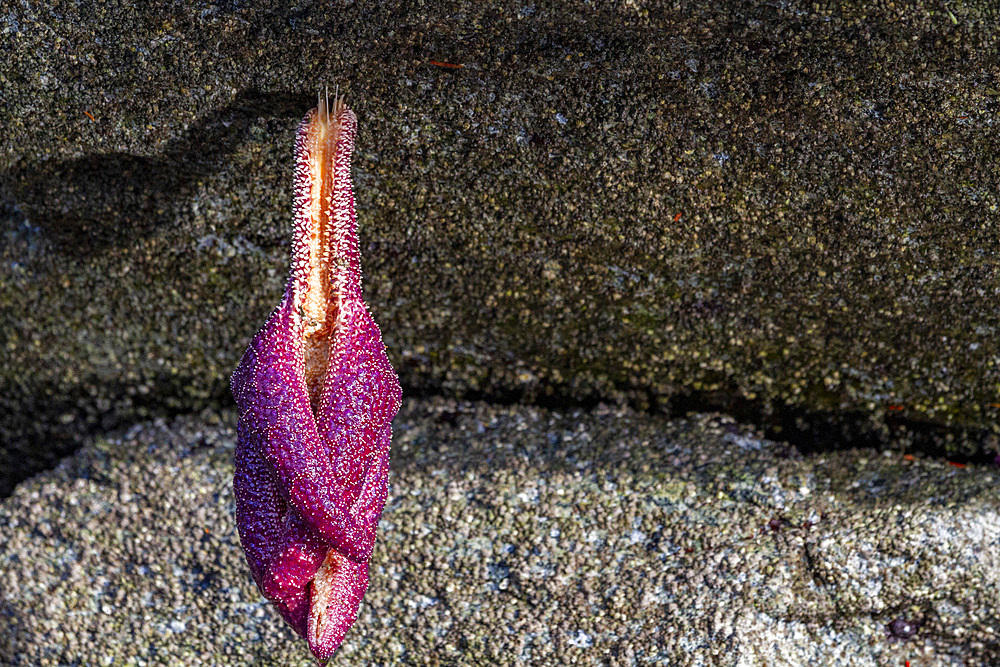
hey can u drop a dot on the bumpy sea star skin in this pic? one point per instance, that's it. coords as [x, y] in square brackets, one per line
[316, 396]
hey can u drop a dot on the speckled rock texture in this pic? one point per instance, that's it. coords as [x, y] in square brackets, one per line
[516, 535]
[792, 205]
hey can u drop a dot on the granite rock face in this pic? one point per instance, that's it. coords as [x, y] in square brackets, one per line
[789, 204]
[523, 536]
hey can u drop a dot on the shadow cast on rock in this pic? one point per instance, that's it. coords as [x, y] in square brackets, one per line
[88, 204]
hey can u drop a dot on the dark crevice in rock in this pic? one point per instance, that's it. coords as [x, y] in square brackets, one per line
[813, 431]
[36, 433]
[809, 431]
[58, 427]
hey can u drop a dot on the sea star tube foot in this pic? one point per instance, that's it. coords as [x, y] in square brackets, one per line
[316, 395]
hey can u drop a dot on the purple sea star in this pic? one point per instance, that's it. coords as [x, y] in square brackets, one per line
[316, 396]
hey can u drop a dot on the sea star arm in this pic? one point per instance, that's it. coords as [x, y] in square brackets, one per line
[318, 463]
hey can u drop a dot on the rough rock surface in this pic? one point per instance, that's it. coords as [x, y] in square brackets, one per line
[787, 204]
[518, 535]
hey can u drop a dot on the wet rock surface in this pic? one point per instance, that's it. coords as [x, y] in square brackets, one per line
[519, 535]
[786, 206]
